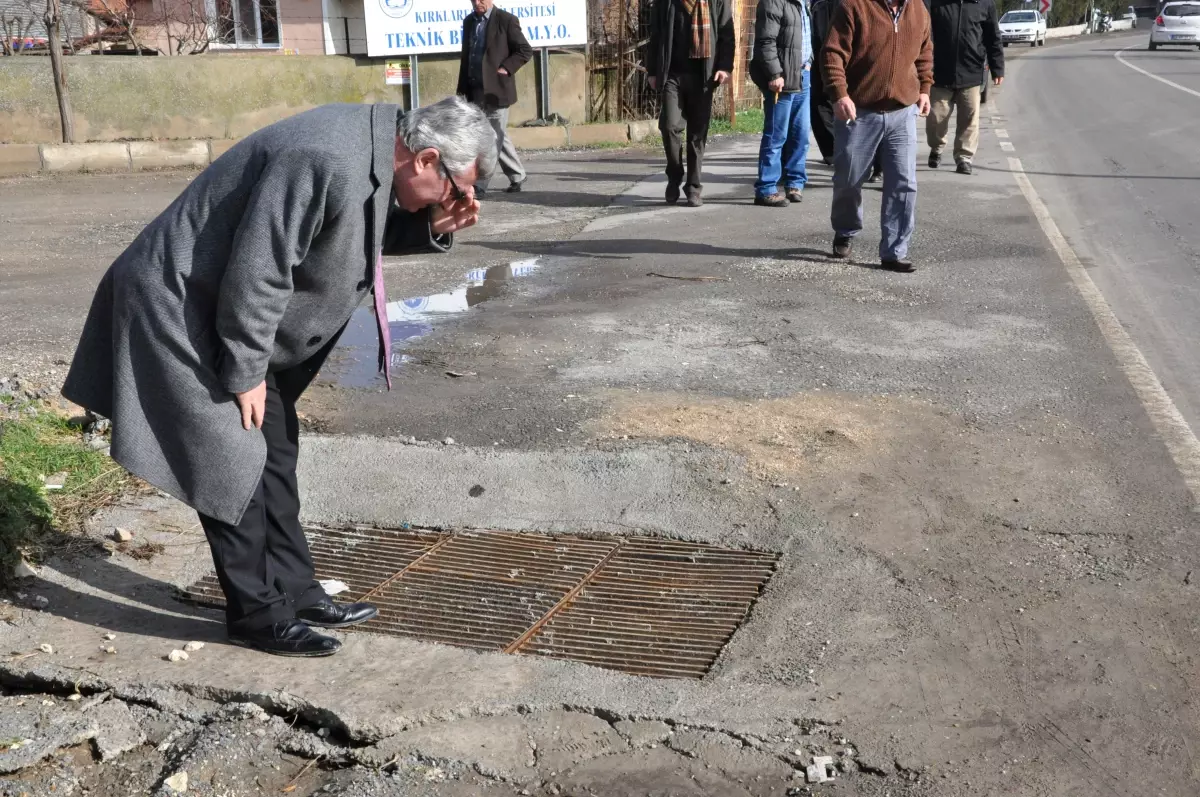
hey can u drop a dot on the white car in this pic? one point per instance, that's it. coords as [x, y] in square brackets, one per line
[1177, 24]
[1023, 26]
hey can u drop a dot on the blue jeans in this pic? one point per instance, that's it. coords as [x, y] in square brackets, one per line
[893, 134]
[785, 130]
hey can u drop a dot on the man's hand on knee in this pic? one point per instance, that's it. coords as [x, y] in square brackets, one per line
[254, 406]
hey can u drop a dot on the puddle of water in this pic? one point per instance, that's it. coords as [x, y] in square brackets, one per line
[353, 362]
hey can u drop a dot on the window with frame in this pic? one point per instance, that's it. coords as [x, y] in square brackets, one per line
[246, 23]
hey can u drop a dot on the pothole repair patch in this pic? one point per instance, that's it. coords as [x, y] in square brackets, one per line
[641, 605]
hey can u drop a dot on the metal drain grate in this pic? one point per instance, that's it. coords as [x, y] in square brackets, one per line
[644, 606]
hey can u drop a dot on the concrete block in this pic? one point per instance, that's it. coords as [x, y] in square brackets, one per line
[538, 137]
[588, 135]
[167, 154]
[218, 147]
[19, 159]
[640, 131]
[85, 157]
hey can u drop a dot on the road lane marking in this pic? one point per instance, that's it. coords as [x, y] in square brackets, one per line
[1118, 55]
[1001, 133]
[1174, 431]
[1007, 146]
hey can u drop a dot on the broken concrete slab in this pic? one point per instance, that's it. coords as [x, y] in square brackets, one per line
[497, 747]
[566, 738]
[643, 733]
[117, 730]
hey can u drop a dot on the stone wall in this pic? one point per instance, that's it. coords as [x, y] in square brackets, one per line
[227, 96]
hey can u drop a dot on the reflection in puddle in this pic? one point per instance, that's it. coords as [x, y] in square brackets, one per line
[353, 362]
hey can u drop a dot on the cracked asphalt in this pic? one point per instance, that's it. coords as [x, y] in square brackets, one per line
[986, 551]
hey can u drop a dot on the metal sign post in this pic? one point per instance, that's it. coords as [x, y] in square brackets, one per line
[414, 86]
[544, 77]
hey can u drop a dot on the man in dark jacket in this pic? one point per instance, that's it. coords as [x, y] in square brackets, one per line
[966, 36]
[780, 67]
[690, 54]
[205, 331]
[493, 48]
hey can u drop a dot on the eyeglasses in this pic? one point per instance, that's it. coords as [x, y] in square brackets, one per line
[458, 194]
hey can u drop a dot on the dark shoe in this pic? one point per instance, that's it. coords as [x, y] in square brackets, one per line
[480, 193]
[964, 167]
[672, 193]
[827, 160]
[842, 246]
[876, 176]
[287, 638]
[328, 614]
[899, 266]
[771, 201]
[795, 195]
[514, 188]
[935, 160]
[694, 200]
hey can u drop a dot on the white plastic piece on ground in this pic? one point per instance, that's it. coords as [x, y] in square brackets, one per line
[177, 782]
[820, 770]
[24, 570]
[177, 656]
[45, 648]
[334, 587]
[192, 647]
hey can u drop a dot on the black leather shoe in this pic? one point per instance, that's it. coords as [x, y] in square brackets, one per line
[899, 266]
[935, 160]
[842, 246]
[514, 188]
[287, 638]
[964, 167]
[328, 614]
[672, 193]
[480, 193]
[876, 176]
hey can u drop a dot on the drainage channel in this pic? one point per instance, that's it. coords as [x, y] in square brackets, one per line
[353, 362]
[641, 605]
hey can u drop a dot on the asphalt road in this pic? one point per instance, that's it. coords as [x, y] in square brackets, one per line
[1115, 155]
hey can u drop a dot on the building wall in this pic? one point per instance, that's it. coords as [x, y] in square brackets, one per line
[229, 95]
[302, 27]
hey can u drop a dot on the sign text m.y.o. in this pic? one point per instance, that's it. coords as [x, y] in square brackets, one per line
[412, 27]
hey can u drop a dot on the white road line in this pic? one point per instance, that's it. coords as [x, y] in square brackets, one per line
[1001, 133]
[1118, 55]
[1174, 431]
[1007, 146]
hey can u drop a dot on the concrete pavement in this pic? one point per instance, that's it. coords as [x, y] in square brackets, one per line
[984, 586]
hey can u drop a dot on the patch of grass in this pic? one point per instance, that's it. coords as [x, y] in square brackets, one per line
[747, 122]
[31, 448]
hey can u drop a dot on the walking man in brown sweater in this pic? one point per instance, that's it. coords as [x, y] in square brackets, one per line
[878, 69]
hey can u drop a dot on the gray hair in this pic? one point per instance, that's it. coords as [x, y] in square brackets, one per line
[458, 130]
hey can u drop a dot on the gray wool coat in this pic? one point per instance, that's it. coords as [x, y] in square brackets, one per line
[256, 267]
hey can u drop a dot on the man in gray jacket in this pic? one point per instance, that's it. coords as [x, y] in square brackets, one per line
[206, 330]
[781, 69]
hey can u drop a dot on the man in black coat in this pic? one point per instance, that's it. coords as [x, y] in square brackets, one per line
[966, 36]
[690, 54]
[493, 48]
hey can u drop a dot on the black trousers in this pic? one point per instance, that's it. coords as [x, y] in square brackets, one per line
[687, 99]
[820, 113]
[263, 563]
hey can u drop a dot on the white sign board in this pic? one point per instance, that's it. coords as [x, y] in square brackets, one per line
[412, 27]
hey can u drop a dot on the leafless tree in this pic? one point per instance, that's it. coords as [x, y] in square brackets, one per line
[121, 15]
[53, 19]
[188, 26]
[15, 28]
